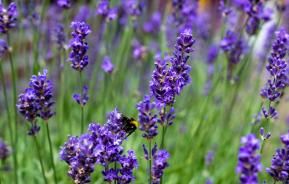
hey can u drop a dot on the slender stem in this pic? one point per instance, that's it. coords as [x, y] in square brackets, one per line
[81, 106]
[51, 152]
[164, 129]
[14, 78]
[40, 159]
[150, 161]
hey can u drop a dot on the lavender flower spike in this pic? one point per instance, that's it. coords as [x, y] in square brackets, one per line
[147, 118]
[279, 169]
[65, 4]
[82, 98]
[160, 162]
[4, 150]
[249, 160]
[8, 17]
[79, 46]
[42, 88]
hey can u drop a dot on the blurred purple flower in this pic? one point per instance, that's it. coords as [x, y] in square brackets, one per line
[3, 47]
[8, 17]
[64, 4]
[139, 51]
[249, 164]
[107, 65]
[153, 25]
[4, 150]
[59, 35]
[82, 98]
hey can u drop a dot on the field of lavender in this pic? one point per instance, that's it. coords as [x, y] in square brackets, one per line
[144, 91]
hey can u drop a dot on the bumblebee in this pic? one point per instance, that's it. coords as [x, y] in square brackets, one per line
[129, 125]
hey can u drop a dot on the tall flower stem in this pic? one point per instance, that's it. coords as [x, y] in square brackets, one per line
[9, 122]
[81, 106]
[14, 78]
[150, 161]
[40, 159]
[164, 130]
[51, 152]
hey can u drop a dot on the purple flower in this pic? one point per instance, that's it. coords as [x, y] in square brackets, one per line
[249, 164]
[160, 162]
[4, 150]
[3, 47]
[101, 145]
[147, 118]
[80, 30]
[64, 4]
[82, 98]
[167, 82]
[139, 51]
[278, 69]
[42, 88]
[279, 169]
[153, 25]
[132, 7]
[106, 65]
[103, 8]
[27, 105]
[209, 158]
[233, 46]
[79, 46]
[8, 17]
[60, 35]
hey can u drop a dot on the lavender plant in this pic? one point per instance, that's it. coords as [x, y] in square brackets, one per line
[182, 114]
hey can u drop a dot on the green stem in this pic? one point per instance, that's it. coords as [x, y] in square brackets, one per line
[14, 78]
[81, 106]
[51, 152]
[40, 159]
[164, 129]
[150, 161]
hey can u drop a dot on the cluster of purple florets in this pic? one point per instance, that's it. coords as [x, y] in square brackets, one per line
[66, 4]
[36, 101]
[79, 46]
[279, 169]
[160, 162]
[4, 150]
[233, 46]
[101, 145]
[107, 65]
[81, 98]
[168, 81]
[104, 9]
[256, 13]
[278, 70]
[249, 164]
[8, 17]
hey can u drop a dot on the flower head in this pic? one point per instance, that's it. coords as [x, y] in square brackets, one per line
[4, 150]
[160, 162]
[279, 165]
[42, 88]
[147, 118]
[8, 17]
[249, 160]
[82, 98]
[100, 145]
[107, 65]
[79, 46]
[64, 4]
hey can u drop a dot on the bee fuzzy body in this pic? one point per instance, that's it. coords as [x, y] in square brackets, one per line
[129, 125]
